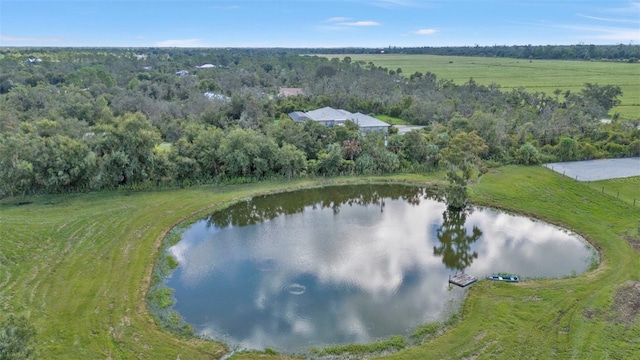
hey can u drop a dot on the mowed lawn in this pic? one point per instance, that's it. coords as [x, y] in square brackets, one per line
[79, 265]
[535, 75]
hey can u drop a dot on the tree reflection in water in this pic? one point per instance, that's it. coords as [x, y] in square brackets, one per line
[455, 242]
[261, 208]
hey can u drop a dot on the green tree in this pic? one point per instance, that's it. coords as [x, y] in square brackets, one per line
[16, 168]
[90, 76]
[237, 151]
[290, 161]
[205, 150]
[528, 155]
[606, 96]
[366, 164]
[416, 147]
[567, 149]
[125, 149]
[329, 160]
[461, 157]
[319, 137]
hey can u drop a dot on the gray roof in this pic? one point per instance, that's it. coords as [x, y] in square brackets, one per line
[338, 116]
[298, 116]
[367, 121]
[328, 113]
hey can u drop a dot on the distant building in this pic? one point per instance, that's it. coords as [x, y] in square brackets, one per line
[216, 96]
[403, 129]
[182, 73]
[141, 56]
[331, 117]
[284, 92]
[206, 66]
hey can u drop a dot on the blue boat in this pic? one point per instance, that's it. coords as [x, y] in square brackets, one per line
[504, 277]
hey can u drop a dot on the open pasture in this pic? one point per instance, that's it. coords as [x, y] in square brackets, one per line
[533, 75]
[78, 266]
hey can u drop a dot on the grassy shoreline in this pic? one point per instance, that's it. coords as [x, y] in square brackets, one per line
[79, 267]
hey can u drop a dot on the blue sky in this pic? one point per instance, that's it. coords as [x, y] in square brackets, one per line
[315, 23]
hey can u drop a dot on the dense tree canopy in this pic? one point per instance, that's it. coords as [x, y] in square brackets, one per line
[88, 119]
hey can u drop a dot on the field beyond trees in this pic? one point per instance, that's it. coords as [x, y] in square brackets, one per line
[78, 267]
[532, 75]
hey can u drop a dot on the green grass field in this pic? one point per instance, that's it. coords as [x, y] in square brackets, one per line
[535, 75]
[78, 266]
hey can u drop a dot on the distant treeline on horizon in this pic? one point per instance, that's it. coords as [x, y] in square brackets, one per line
[619, 52]
[629, 53]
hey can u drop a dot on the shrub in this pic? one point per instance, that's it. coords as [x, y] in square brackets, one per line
[16, 339]
[528, 155]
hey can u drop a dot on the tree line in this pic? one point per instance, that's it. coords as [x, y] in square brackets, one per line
[92, 119]
[620, 52]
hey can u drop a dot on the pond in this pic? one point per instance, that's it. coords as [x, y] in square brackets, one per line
[349, 264]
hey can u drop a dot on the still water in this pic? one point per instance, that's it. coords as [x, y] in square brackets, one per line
[349, 264]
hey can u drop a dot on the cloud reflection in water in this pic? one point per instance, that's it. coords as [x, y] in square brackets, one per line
[321, 276]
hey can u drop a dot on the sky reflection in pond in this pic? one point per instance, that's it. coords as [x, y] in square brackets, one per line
[349, 264]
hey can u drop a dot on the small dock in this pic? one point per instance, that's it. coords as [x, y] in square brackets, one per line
[462, 279]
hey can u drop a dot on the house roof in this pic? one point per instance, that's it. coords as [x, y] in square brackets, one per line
[290, 92]
[367, 121]
[328, 113]
[298, 116]
[337, 115]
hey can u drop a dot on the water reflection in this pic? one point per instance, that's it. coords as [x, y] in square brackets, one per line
[455, 241]
[328, 266]
[259, 209]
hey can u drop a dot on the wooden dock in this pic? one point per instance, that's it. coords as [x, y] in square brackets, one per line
[462, 279]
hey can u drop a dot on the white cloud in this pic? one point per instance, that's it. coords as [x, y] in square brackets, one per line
[606, 19]
[630, 9]
[25, 39]
[338, 23]
[180, 43]
[425, 32]
[338, 19]
[359, 23]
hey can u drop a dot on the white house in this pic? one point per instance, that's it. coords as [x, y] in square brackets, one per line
[336, 117]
